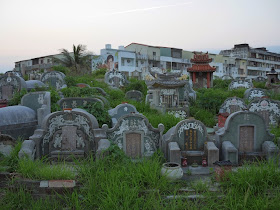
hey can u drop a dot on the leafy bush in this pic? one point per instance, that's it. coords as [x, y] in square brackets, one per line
[61, 68]
[79, 92]
[221, 84]
[70, 81]
[99, 73]
[16, 100]
[203, 115]
[139, 85]
[259, 85]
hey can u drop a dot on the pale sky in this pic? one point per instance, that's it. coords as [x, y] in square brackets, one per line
[34, 28]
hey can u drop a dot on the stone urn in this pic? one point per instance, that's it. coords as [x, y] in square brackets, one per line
[172, 171]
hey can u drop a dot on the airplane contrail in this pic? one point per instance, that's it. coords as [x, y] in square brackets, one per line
[147, 9]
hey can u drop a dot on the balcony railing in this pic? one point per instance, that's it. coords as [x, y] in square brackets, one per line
[154, 57]
[38, 66]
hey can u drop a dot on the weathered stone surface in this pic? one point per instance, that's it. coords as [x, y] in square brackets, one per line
[135, 135]
[7, 144]
[75, 102]
[240, 84]
[54, 79]
[9, 85]
[253, 93]
[27, 150]
[229, 152]
[233, 104]
[121, 110]
[212, 153]
[33, 84]
[103, 145]
[134, 95]
[271, 150]
[62, 183]
[174, 152]
[116, 79]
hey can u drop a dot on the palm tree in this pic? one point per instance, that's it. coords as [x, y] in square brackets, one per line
[79, 61]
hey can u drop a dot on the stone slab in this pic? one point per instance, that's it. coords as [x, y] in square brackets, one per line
[62, 183]
[44, 184]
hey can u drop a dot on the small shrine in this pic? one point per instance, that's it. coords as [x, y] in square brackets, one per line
[201, 72]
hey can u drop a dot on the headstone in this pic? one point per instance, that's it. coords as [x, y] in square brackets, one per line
[34, 84]
[135, 135]
[7, 144]
[54, 79]
[121, 110]
[134, 95]
[259, 79]
[246, 131]
[9, 85]
[14, 73]
[268, 109]
[235, 84]
[76, 102]
[227, 77]
[233, 104]
[115, 79]
[252, 93]
[65, 134]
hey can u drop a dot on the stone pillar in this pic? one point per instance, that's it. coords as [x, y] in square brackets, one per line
[208, 79]
[194, 79]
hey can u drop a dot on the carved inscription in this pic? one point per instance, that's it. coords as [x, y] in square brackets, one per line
[246, 139]
[69, 138]
[7, 92]
[133, 145]
[191, 139]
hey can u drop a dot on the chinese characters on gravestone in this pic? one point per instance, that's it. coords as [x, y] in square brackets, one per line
[191, 139]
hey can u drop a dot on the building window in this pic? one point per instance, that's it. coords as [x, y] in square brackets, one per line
[154, 53]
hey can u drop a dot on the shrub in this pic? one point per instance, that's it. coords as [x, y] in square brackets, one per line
[221, 84]
[70, 81]
[206, 117]
[16, 100]
[139, 85]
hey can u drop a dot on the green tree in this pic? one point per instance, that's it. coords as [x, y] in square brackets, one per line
[79, 61]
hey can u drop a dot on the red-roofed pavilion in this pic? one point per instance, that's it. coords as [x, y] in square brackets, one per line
[201, 72]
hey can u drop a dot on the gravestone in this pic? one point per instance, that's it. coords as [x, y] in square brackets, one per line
[135, 135]
[268, 109]
[233, 104]
[227, 77]
[100, 90]
[65, 134]
[244, 134]
[7, 143]
[9, 85]
[40, 102]
[134, 95]
[235, 84]
[34, 84]
[191, 137]
[121, 110]
[115, 79]
[14, 73]
[259, 79]
[252, 93]
[75, 102]
[18, 121]
[54, 79]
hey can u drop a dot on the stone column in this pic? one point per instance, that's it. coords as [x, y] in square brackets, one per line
[208, 79]
[194, 79]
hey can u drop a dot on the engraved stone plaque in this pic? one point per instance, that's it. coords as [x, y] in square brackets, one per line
[7, 92]
[234, 108]
[191, 139]
[133, 145]
[246, 139]
[69, 138]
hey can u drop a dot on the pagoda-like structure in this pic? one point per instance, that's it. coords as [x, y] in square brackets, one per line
[201, 72]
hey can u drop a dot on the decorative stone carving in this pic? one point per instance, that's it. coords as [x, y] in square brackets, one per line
[121, 110]
[9, 85]
[232, 105]
[240, 84]
[76, 102]
[135, 135]
[115, 79]
[54, 79]
[253, 93]
[134, 95]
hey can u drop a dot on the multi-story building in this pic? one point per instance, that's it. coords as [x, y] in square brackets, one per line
[253, 62]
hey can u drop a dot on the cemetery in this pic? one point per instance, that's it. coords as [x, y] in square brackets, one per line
[105, 141]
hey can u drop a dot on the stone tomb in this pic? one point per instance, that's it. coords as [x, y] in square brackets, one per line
[235, 84]
[121, 110]
[252, 93]
[75, 102]
[135, 135]
[115, 79]
[7, 144]
[190, 138]
[34, 84]
[233, 104]
[54, 79]
[245, 136]
[268, 109]
[259, 79]
[134, 95]
[9, 85]
[66, 134]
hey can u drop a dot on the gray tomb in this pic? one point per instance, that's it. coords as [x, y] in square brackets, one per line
[54, 79]
[7, 143]
[252, 93]
[235, 84]
[259, 79]
[75, 102]
[33, 84]
[134, 95]
[268, 109]
[189, 139]
[245, 135]
[115, 79]
[65, 134]
[9, 85]
[121, 110]
[135, 136]
[233, 104]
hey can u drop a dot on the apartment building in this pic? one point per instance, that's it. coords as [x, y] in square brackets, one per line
[253, 62]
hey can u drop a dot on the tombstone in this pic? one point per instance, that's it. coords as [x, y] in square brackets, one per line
[75, 102]
[40, 102]
[121, 110]
[34, 84]
[14, 73]
[191, 137]
[82, 85]
[54, 79]
[135, 135]
[18, 121]
[259, 79]
[103, 99]
[9, 85]
[268, 109]
[7, 143]
[115, 79]
[134, 95]
[65, 134]
[235, 84]
[100, 90]
[252, 93]
[243, 137]
[227, 77]
[233, 104]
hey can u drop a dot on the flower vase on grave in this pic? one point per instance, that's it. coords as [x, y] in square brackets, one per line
[204, 162]
[184, 162]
